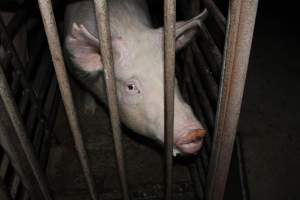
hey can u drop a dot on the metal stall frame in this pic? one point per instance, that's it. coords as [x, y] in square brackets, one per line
[102, 18]
[103, 26]
[47, 13]
[169, 80]
[241, 20]
[23, 140]
[240, 27]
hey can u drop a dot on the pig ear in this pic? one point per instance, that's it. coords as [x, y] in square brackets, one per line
[84, 49]
[185, 31]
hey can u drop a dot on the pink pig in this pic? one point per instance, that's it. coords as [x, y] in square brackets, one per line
[138, 58]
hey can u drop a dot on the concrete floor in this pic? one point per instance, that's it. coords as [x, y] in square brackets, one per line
[144, 165]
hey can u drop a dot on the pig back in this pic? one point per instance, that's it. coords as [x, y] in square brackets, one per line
[124, 16]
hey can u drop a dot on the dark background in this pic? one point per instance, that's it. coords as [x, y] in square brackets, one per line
[270, 119]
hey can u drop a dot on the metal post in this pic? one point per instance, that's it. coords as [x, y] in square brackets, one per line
[240, 28]
[169, 78]
[103, 25]
[16, 121]
[64, 85]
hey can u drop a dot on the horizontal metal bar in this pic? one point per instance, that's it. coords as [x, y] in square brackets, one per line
[240, 28]
[64, 85]
[102, 19]
[17, 123]
[169, 79]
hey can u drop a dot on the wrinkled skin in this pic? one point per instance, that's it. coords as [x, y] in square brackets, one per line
[138, 60]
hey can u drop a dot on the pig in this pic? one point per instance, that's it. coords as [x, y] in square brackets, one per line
[138, 64]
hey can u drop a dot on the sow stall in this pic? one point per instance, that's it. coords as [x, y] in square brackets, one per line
[34, 81]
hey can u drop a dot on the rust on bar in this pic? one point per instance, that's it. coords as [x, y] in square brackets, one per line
[169, 78]
[64, 85]
[240, 28]
[15, 118]
[103, 26]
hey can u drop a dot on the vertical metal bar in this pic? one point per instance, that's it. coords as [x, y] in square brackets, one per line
[103, 25]
[240, 28]
[16, 121]
[169, 78]
[64, 85]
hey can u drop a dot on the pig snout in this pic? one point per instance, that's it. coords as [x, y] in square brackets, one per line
[190, 140]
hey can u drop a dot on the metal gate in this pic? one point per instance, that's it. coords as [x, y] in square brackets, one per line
[24, 153]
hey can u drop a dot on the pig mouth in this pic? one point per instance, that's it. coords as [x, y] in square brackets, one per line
[191, 141]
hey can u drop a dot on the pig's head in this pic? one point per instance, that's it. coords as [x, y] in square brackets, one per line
[138, 62]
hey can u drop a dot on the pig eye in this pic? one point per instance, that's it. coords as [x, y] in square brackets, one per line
[132, 88]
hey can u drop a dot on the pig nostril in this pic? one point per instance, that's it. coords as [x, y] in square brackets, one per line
[191, 142]
[195, 135]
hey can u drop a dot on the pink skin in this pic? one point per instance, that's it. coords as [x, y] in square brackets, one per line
[138, 64]
[187, 144]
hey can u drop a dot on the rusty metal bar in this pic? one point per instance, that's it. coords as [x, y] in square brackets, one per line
[16, 121]
[64, 85]
[169, 78]
[4, 194]
[103, 26]
[240, 28]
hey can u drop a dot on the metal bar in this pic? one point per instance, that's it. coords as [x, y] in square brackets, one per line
[15, 185]
[169, 78]
[4, 192]
[196, 84]
[218, 16]
[64, 85]
[211, 52]
[16, 121]
[240, 28]
[242, 170]
[208, 80]
[196, 178]
[18, 158]
[18, 66]
[4, 165]
[103, 26]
